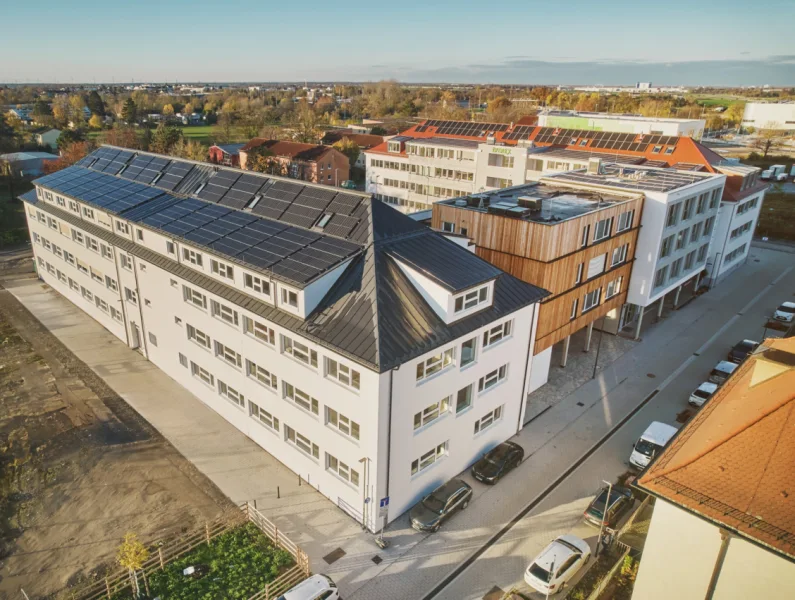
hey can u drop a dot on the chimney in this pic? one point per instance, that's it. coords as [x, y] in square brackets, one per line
[595, 165]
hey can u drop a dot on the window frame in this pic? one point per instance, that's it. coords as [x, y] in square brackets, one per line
[428, 368]
[493, 379]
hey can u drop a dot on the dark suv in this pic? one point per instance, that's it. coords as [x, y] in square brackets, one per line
[741, 351]
[430, 512]
[620, 502]
[497, 462]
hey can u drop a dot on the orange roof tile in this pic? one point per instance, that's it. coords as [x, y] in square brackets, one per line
[734, 462]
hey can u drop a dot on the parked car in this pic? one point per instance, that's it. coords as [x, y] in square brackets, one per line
[741, 350]
[317, 587]
[785, 312]
[557, 564]
[497, 462]
[722, 372]
[702, 393]
[620, 502]
[650, 443]
[438, 506]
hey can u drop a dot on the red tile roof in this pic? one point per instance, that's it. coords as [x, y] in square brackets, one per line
[734, 462]
[365, 141]
[293, 150]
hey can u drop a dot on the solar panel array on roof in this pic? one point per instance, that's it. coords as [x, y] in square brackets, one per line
[520, 132]
[610, 140]
[467, 128]
[635, 178]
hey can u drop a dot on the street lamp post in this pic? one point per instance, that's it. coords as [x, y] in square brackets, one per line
[549, 579]
[604, 516]
[598, 347]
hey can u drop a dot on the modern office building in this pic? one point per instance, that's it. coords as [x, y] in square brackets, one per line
[723, 525]
[577, 243]
[594, 121]
[364, 351]
[770, 115]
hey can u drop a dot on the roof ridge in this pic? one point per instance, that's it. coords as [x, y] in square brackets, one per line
[370, 247]
[716, 401]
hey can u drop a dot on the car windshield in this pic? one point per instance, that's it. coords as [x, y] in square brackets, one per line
[786, 309]
[746, 346]
[539, 572]
[647, 448]
[496, 455]
[598, 505]
[702, 394]
[434, 504]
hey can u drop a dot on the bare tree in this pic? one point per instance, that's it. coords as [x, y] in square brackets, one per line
[768, 139]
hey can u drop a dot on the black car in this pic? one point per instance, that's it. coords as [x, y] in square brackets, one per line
[497, 462]
[439, 505]
[741, 351]
[620, 502]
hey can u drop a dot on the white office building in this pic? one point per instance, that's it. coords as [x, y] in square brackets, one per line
[364, 351]
[572, 119]
[770, 115]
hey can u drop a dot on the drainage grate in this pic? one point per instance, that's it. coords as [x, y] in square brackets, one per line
[494, 593]
[580, 404]
[377, 559]
[334, 556]
[650, 375]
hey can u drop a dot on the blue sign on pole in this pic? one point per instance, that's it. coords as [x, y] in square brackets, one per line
[384, 502]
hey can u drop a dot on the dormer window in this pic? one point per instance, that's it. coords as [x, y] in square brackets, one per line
[471, 299]
[393, 147]
[669, 150]
[289, 298]
[657, 149]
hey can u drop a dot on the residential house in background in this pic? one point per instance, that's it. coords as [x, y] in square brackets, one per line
[225, 154]
[723, 525]
[308, 162]
[48, 137]
[21, 113]
[366, 352]
[365, 141]
[27, 164]
[577, 243]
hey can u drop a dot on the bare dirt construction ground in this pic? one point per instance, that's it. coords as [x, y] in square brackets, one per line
[78, 467]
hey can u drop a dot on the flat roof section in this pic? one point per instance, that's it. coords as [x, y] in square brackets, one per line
[437, 141]
[538, 202]
[635, 178]
[584, 155]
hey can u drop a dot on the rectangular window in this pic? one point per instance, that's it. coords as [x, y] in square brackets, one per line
[106, 251]
[183, 360]
[52, 223]
[448, 227]
[596, 266]
[695, 232]
[139, 233]
[231, 394]
[92, 244]
[193, 257]
[261, 415]
[171, 248]
[290, 298]
[224, 313]
[493, 378]
[585, 232]
[702, 253]
[625, 221]
[690, 260]
[430, 413]
[72, 284]
[435, 364]
[342, 470]
[73, 206]
[580, 269]
[259, 331]
[122, 227]
[152, 339]
[222, 270]
[257, 284]
[82, 267]
[613, 288]
[302, 399]
[468, 351]
[225, 353]
[471, 299]
[61, 275]
[131, 296]
[488, 419]
[97, 276]
[701, 206]
[591, 299]
[602, 229]
[430, 457]
[303, 443]
[619, 255]
[262, 375]
[70, 258]
[676, 268]
[126, 261]
[660, 276]
[203, 374]
[667, 246]
[78, 237]
[342, 423]
[708, 225]
[495, 334]
[299, 351]
[115, 314]
[198, 336]
[191, 296]
[715, 198]
[342, 373]
[673, 214]
[574, 304]
[687, 212]
[111, 284]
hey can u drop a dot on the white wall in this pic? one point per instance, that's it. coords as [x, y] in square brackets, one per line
[760, 114]
[539, 373]
[680, 554]
[722, 245]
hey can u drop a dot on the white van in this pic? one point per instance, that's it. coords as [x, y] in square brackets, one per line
[317, 587]
[650, 443]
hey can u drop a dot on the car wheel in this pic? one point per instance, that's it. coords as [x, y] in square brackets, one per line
[435, 528]
[465, 504]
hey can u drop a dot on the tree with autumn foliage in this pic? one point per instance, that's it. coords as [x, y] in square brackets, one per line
[349, 148]
[70, 154]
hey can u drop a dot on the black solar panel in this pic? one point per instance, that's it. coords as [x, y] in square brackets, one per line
[173, 175]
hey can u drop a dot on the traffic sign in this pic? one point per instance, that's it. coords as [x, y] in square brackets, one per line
[384, 502]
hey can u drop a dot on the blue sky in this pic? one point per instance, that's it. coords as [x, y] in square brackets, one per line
[616, 42]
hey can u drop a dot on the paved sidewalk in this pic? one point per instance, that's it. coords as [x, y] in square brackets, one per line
[415, 562]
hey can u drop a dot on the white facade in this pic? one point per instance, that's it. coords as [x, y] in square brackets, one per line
[770, 115]
[347, 430]
[734, 231]
[622, 123]
[682, 551]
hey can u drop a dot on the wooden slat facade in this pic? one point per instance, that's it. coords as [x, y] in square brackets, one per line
[547, 255]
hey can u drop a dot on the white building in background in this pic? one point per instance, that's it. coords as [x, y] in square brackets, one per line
[770, 115]
[570, 119]
[366, 352]
[677, 226]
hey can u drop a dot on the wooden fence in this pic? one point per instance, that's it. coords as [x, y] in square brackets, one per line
[170, 550]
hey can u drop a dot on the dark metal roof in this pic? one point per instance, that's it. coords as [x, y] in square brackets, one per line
[373, 314]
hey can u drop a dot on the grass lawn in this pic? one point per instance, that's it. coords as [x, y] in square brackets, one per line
[777, 219]
[13, 226]
[240, 562]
